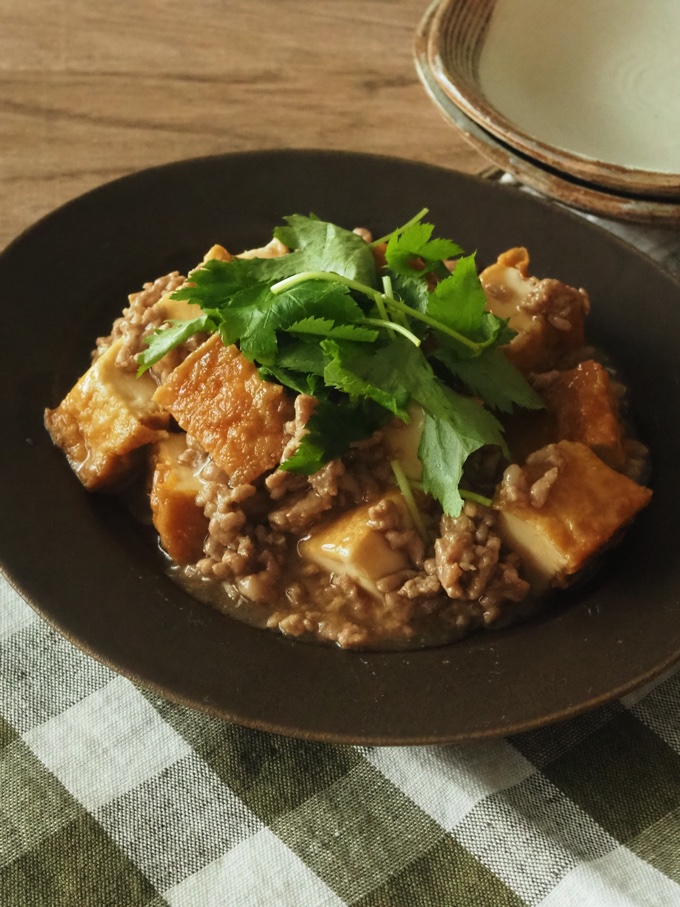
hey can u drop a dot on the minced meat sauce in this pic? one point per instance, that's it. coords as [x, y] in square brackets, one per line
[460, 579]
[255, 546]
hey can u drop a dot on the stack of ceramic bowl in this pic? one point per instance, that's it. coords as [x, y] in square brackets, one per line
[578, 100]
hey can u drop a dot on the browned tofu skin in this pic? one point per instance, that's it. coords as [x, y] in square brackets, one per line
[584, 408]
[562, 507]
[179, 520]
[517, 257]
[350, 545]
[547, 314]
[104, 422]
[217, 396]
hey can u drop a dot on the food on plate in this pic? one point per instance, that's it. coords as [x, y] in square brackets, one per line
[362, 441]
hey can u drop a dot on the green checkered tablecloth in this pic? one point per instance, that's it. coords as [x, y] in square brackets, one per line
[110, 795]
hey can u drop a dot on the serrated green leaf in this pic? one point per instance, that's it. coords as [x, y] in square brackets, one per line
[492, 377]
[377, 374]
[454, 427]
[312, 337]
[299, 382]
[302, 355]
[162, 341]
[414, 242]
[325, 327]
[323, 246]
[459, 300]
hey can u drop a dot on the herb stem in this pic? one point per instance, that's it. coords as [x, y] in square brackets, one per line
[288, 282]
[433, 323]
[380, 305]
[393, 326]
[473, 496]
[389, 293]
[409, 500]
[409, 223]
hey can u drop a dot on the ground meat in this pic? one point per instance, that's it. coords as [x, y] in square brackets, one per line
[516, 487]
[359, 476]
[367, 473]
[467, 552]
[281, 483]
[506, 586]
[540, 490]
[325, 481]
[394, 580]
[421, 586]
[246, 555]
[137, 321]
[298, 515]
[296, 429]
[302, 498]
[194, 455]
[556, 302]
[386, 517]
[462, 580]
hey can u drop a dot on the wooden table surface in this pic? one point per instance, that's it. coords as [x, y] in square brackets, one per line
[92, 90]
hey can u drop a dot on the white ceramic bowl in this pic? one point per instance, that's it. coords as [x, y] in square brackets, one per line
[527, 170]
[587, 88]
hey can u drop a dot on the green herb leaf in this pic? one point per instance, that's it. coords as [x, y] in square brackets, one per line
[214, 281]
[459, 300]
[300, 383]
[332, 427]
[377, 374]
[322, 246]
[454, 427]
[162, 341]
[492, 377]
[325, 327]
[405, 247]
[302, 355]
[319, 320]
[254, 316]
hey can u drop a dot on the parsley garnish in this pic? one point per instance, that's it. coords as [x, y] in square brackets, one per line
[322, 320]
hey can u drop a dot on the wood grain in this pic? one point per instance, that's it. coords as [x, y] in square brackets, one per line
[92, 90]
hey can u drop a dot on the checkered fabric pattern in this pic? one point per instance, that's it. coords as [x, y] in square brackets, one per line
[111, 795]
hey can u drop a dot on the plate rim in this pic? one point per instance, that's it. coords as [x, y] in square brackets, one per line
[606, 175]
[268, 724]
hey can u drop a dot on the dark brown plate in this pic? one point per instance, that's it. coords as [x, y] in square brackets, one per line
[86, 567]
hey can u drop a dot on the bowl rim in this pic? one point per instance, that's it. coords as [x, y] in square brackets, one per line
[548, 181]
[204, 198]
[601, 174]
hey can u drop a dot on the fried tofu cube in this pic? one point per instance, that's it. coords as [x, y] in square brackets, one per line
[274, 249]
[179, 520]
[170, 309]
[217, 253]
[217, 396]
[586, 505]
[585, 409]
[105, 420]
[547, 314]
[350, 545]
